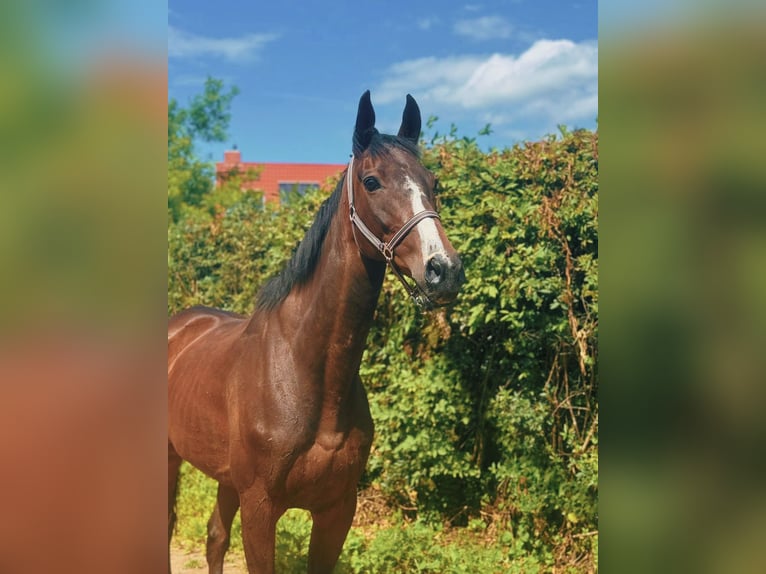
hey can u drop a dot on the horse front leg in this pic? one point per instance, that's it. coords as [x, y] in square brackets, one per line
[259, 524]
[328, 533]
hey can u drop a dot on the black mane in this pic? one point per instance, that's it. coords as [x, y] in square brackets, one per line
[301, 265]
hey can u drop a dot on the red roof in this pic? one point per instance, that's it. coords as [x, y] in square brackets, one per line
[271, 175]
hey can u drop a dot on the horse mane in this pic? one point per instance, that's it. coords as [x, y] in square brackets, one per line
[304, 260]
[299, 269]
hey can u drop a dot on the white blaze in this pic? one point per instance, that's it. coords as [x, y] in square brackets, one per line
[430, 242]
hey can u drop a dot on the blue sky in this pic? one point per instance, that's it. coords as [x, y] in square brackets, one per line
[524, 66]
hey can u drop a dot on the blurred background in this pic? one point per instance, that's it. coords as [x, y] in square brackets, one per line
[682, 117]
[82, 285]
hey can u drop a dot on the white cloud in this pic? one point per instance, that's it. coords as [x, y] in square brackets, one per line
[554, 79]
[244, 48]
[428, 23]
[484, 28]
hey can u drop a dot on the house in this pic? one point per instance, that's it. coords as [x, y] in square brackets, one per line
[276, 179]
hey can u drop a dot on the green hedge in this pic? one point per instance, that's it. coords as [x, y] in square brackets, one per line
[486, 413]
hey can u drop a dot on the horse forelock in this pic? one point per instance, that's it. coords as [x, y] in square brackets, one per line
[382, 144]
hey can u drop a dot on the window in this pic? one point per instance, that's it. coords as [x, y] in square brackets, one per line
[288, 188]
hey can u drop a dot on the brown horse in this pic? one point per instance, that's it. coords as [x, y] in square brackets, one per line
[271, 405]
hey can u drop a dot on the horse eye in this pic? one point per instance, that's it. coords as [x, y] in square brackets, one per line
[371, 183]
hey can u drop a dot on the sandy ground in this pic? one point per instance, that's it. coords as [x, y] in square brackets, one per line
[187, 562]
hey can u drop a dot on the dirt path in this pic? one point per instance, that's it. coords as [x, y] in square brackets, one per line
[188, 562]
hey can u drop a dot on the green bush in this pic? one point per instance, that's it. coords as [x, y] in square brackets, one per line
[510, 369]
[486, 413]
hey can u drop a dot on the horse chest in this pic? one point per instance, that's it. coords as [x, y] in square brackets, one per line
[326, 471]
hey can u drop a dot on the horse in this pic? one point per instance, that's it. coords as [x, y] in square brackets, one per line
[271, 405]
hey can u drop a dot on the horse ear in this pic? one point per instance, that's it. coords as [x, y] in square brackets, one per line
[410, 128]
[365, 124]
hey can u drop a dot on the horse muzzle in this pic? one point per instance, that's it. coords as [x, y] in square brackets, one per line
[444, 276]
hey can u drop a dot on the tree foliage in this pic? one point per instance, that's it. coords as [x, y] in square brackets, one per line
[486, 413]
[492, 404]
[205, 119]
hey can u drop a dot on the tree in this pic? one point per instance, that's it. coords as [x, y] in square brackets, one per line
[206, 119]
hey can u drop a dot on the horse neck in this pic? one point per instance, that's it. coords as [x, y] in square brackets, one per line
[325, 321]
[338, 302]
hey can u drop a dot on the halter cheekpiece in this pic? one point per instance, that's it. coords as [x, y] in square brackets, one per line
[387, 249]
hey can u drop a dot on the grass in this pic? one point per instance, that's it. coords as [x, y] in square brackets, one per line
[193, 563]
[381, 540]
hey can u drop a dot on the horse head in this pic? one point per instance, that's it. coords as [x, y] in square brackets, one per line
[392, 207]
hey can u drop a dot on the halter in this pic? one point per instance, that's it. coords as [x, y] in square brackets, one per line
[387, 249]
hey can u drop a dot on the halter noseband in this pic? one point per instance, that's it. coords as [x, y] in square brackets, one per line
[387, 249]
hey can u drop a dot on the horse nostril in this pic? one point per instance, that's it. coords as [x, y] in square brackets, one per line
[435, 269]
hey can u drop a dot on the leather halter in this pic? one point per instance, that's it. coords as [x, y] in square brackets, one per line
[387, 249]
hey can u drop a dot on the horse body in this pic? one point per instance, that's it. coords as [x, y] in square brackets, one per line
[271, 405]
